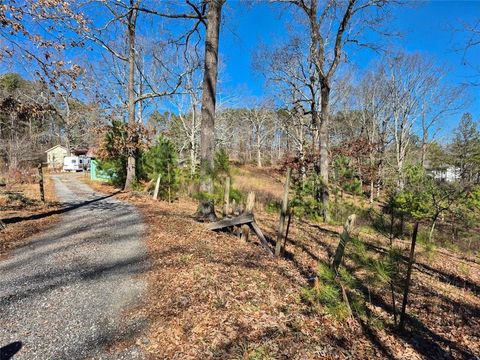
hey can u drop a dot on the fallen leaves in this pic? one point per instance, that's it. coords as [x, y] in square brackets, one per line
[212, 296]
[22, 200]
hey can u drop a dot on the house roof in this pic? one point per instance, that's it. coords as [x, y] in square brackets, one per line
[63, 147]
[80, 151]
[92, 152]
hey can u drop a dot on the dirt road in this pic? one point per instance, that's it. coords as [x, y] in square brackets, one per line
[65, 294]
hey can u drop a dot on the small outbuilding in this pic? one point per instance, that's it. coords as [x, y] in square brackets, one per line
[55, 157]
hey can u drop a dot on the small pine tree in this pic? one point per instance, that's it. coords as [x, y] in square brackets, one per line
[345, 177]
[465, 149]
[161, 160]
[222, 164]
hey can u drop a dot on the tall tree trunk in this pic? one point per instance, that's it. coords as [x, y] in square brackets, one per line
[140, 90]
[193, 149]
[372, 188]
[323, 147]
[131, 160]
[206, 208]
[423, 152]
[259, 150]
[12, 162]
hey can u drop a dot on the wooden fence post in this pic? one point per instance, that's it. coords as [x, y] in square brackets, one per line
[290, 214]
[344, 239]
[245, 234]
[250, 203]
[411, 260]
[226, 197]
[283, 214]
[157, 187]
[42, 190]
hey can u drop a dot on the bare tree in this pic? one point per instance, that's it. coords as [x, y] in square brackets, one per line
[472, 32]
[124, 14]
[373, 98]
[330, 27]
[207, 138]
[441, 100]
[409, 81]
[262, 119]
[34, 31]
[188, 113]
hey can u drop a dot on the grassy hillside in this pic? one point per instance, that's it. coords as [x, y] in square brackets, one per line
[213, 295]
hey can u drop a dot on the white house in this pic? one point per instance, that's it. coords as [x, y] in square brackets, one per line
[448, 174]
[55, 156]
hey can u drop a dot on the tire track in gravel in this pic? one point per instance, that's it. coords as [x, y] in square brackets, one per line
[62, 295]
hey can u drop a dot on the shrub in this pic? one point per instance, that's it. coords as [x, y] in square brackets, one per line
[221, 171]
[161, 160]
[119, 140]
[218, 192]
[222, 164]
[115, 168]
[304, 200]
[328, 293]
[344, 175]
[273, 207]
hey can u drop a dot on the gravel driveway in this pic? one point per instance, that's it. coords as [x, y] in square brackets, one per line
[65, 294]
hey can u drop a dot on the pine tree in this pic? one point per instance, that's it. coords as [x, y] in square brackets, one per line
[465, 149]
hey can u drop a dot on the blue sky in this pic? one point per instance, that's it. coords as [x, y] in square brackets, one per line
[426, 27]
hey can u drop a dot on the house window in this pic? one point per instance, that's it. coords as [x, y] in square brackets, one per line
[74, 161]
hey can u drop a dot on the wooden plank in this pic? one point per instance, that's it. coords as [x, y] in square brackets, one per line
[239, 220]
[253, 225]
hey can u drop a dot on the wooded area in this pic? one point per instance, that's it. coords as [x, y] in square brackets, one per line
[385, 152]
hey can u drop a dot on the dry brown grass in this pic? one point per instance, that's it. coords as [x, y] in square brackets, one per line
[212, 296]
[21, 201]
[266, 182]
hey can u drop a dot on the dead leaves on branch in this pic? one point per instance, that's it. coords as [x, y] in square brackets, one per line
[121, 139]
[39, 31]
